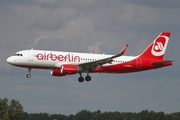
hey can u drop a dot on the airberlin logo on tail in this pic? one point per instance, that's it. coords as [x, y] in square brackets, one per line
[159, 46]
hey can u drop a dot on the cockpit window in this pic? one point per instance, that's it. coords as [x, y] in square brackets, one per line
[18, 54]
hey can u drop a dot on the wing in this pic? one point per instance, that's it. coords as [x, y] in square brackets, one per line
[92, 65]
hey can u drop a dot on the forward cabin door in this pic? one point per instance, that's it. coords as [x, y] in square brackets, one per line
[31, 56]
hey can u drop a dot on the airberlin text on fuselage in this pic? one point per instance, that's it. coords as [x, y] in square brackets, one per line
[59, 57]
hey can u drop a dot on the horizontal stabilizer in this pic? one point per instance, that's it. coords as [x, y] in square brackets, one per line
[163, 62]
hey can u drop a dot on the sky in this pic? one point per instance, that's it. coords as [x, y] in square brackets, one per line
[81, 26]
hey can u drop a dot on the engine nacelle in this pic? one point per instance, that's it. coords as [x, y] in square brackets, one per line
[66, 69]
[69, 69]
[57, 72]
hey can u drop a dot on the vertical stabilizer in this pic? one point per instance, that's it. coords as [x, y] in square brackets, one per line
[157, 48]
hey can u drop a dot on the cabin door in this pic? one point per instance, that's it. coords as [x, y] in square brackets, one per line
[30, 56]
[138, 63]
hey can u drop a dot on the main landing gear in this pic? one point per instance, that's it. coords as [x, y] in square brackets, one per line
[29, 73]
[87, 78]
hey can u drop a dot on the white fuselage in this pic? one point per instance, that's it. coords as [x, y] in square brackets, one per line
[53, 59]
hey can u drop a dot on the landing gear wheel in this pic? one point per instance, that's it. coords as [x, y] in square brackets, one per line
[28, 75]
[88, 78]
[81, 79]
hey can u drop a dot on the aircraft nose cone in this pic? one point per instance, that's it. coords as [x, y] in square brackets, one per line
[10, 60]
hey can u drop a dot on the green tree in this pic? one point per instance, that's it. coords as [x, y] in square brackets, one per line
[58, 117]
[4, 109]
[38, 116]
[96, 115]
[83, 115]
[12, 111]
[144, 115]
[15, 110]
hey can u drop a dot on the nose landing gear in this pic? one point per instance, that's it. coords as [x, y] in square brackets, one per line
[29, 73]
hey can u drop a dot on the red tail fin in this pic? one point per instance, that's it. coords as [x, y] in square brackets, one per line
[157, 48]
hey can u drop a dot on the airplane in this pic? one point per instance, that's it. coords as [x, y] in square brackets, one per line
[69, 63]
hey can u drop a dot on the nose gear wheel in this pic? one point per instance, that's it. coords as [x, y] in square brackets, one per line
[29, 73]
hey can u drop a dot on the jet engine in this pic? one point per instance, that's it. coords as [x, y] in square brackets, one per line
[65, 69]
[57, 72]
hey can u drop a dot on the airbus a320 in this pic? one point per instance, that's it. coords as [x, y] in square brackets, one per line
[69, 63]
